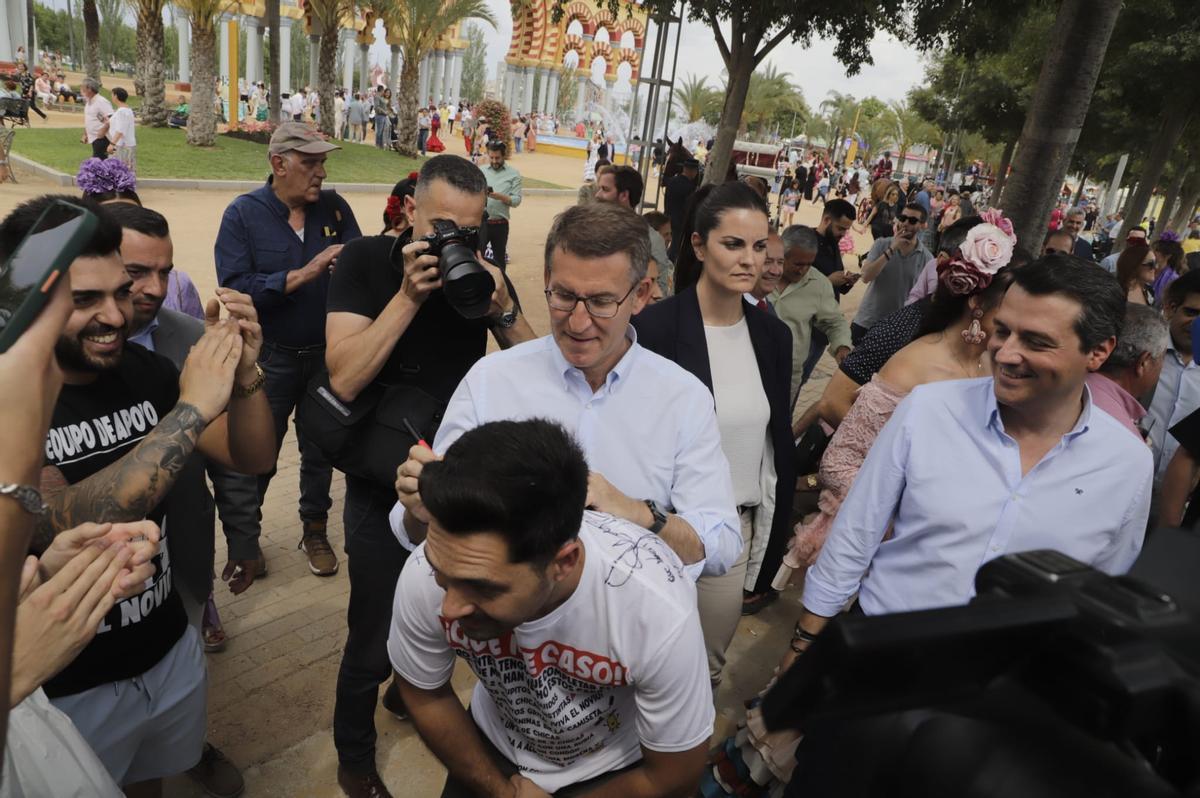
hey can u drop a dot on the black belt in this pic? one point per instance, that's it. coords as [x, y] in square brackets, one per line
[497, 221]
[296, 350]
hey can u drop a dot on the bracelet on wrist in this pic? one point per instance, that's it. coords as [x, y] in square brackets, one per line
[245, 391]
[799, 634]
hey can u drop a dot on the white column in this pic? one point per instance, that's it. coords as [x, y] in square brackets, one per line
[394, 71]
[448, 80]
[510, 75]
[552, 103]
[223, 52]
[285, 54]
[543, 87]
[7, 51]
[185, 51]
[314, 58]
[346, 40]
[254, 40]
[364, 78]
[437, 75]
[423, 92]
[456, 83]
[527, 104]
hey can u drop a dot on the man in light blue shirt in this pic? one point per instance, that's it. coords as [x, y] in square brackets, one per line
[969, 470]
[1178, 392]
[647, 427]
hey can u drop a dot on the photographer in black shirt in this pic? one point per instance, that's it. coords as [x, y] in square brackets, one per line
[394, 318]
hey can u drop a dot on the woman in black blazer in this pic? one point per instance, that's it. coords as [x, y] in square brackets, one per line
[744, 356]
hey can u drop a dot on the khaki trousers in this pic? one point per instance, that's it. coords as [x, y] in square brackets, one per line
[720, 602]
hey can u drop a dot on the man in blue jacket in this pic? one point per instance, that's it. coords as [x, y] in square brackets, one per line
[278, 244]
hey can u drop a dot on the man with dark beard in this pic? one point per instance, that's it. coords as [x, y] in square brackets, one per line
[124, 426]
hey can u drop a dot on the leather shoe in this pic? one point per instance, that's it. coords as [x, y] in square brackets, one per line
[362, 785]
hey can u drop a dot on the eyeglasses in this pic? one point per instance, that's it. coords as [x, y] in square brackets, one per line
[598, 307]
[909, 219]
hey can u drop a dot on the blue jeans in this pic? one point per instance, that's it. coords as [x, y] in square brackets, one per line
[288, 371]
[376, 559]
[380, 130]
[422, 134]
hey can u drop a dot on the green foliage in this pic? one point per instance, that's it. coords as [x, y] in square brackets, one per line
[695, 100]
[474, 68]
[498, 119]
[772, 100]
[568, 96]
[163, 153]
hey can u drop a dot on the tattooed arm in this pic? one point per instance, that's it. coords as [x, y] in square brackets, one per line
[126, 490]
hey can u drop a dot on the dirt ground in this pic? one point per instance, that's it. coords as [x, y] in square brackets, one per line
[272, 690]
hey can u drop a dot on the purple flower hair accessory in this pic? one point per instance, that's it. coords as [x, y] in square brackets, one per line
[1170, 235]
[103, 177]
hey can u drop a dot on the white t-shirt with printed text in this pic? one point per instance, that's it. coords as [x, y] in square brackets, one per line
[575, 694]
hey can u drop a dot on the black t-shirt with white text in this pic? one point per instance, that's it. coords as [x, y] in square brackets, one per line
[439, 346]
[95, 425]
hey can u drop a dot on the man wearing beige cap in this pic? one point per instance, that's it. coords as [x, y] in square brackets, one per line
[278, 244]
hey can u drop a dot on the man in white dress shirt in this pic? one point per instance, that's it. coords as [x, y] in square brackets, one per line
[647, 427]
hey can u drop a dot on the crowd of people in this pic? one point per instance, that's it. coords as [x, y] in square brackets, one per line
[581, 518]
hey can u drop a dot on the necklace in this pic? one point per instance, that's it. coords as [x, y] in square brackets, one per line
[966, 368]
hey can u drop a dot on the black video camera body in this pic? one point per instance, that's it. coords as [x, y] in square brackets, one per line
[467, 284]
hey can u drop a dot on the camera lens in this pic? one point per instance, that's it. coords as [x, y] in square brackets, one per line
[468, 285]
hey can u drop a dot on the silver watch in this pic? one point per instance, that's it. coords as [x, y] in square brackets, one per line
[505, 320]
[26, 496]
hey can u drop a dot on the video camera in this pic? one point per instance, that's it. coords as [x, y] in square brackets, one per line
[1056, 680]
[467, 284]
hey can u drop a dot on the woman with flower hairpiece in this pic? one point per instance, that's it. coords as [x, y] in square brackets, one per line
[950, 344]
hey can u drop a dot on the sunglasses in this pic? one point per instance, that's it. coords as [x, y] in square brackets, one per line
[909, 219]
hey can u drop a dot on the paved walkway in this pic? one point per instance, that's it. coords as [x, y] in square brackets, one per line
[272, 689]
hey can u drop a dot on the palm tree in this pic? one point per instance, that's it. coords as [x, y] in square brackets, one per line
[908, 128]
[840, 109]
[327, 15]
[417, 24]
[770, 95]
[204, 17]
[150, 56]
[694, 97]
[91, 36]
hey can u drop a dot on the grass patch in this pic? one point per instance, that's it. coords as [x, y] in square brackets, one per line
[165, 153]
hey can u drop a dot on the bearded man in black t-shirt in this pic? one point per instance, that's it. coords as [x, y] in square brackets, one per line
[389, 322]
[123, 427]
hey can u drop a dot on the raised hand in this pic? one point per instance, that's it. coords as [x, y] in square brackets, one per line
[421, 273]
[208, 373]
[408, 476]
[142, 538]
[241, 309]
[56, 619]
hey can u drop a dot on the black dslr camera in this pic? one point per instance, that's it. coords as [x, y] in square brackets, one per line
[1056, 681]
[467, 284]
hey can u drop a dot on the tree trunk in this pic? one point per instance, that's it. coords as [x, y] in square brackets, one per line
[1191, 197]
[1083, 176]
[1057, 111]
[1164, 145]
[1002, 175]
[741, 67]
[406, 120]
[1169, 200]
[141, 57]
[91, 35]
[202, 116]
[273, 105]
[151, 49]
[326, 69]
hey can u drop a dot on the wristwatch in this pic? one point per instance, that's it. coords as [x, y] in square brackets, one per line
[505, 319]
[28, 497]
[660, 516]
[242, 392]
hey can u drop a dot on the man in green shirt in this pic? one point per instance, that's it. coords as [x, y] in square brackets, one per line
[805, 299]
[504, 193]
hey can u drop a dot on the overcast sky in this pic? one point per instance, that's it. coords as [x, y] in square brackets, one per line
[814, 70]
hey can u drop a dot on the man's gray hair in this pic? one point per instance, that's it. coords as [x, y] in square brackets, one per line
[1145, 331]
[799, 236]
[91, 84]
[1077, 211]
